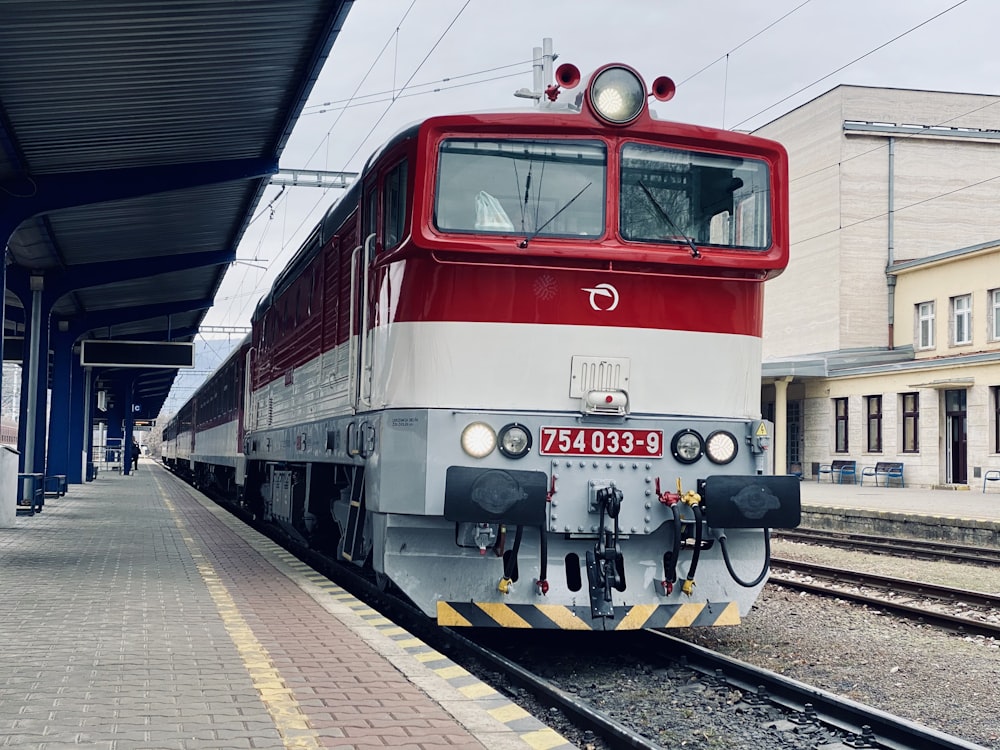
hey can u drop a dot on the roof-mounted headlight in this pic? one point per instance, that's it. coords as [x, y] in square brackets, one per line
[617, 95]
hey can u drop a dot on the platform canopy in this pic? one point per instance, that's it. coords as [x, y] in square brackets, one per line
[136, 139]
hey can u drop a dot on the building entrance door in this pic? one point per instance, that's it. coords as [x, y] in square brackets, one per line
[955, 437]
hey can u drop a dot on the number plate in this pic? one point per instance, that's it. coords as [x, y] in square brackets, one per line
[589, 441]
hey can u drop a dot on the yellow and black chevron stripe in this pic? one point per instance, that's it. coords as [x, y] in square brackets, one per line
[558, 617]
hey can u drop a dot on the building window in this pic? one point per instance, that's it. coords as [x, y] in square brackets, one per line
[910, 409]
[925, 325]
[996, 418]
[840, 425]
[995, 314]
[874, 407]
[961, 314]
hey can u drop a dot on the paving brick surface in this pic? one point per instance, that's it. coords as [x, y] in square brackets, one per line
[133, 618]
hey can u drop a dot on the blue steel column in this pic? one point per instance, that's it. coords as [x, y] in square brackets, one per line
[59, 407]
[77, 416]
[129, 426]
[34, 396]
[3, 303]
[87, 438]
[114, 417]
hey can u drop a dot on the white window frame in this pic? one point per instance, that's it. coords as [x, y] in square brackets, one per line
[925, 325]
[961, 328]
[994, 300]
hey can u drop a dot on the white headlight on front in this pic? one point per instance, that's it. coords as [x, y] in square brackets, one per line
[721, 447]
[478, 439]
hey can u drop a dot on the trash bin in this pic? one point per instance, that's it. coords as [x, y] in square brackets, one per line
[8, 486]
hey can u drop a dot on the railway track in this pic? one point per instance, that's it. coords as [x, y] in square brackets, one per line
[857, 724]
[922, 549]
[784, 711]
[914, 600]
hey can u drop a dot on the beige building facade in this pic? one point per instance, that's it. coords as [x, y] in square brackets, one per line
[882, 338]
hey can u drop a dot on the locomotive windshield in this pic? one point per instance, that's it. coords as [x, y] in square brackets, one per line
[539, 188]
[683, 196]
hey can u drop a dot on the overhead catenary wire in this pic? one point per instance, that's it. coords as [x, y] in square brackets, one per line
[869, 53]
[436, 84]
[405, 90]
[269, 209]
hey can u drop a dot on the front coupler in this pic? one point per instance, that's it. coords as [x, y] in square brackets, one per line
[605, 563]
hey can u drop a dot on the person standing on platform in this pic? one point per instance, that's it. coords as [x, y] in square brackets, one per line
[135, 455]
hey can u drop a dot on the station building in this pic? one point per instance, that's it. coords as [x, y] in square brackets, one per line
[882, 338]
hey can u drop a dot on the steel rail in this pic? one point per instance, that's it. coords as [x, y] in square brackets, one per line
[954, 623]
[947, 594]
[842, 713]
[920, 548]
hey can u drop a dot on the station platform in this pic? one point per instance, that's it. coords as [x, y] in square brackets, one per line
[136, 614]
[961, 516]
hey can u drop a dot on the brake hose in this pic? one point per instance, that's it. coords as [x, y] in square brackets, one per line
[510, 561]
[670, 558]
[688, 584]
[763, 572]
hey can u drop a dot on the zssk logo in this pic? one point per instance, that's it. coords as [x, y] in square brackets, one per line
[603, 297]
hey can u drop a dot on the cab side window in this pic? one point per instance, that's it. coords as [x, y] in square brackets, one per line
[394, 206]
[371, 210]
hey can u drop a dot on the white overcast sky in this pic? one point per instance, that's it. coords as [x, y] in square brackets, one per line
[738, 65]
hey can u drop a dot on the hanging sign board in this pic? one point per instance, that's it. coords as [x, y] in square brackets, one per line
[106, 353]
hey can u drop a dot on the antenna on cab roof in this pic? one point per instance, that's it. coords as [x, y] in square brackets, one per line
[542, 59]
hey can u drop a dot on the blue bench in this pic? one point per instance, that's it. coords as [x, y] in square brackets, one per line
[839, 470]
[993, 475]
[888, 470]
[55, 485]
[30, 494]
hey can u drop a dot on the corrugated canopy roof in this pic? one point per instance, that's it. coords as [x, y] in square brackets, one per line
[136, 139]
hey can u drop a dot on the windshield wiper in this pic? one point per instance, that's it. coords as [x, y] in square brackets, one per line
[694, 249]
[524, 243]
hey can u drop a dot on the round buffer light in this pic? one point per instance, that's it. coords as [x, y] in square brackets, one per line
[617, 95]
[721, 447]
[687, 446]
[478, 439]
[514, 440]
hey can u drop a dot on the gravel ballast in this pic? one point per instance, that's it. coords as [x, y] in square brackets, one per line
[944, 681]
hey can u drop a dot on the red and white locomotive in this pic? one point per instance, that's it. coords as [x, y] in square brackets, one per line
[515, 370]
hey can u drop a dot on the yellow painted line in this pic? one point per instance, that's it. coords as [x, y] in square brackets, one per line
[729, 616]
[636, 617]
[503, 615]
[544, 739]
[448, 615]
[477, 690]
[428, 656]
[684, 616]
[507, 713]
[407, 642]
[289, 719]
[563, 617]
[451, 672]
